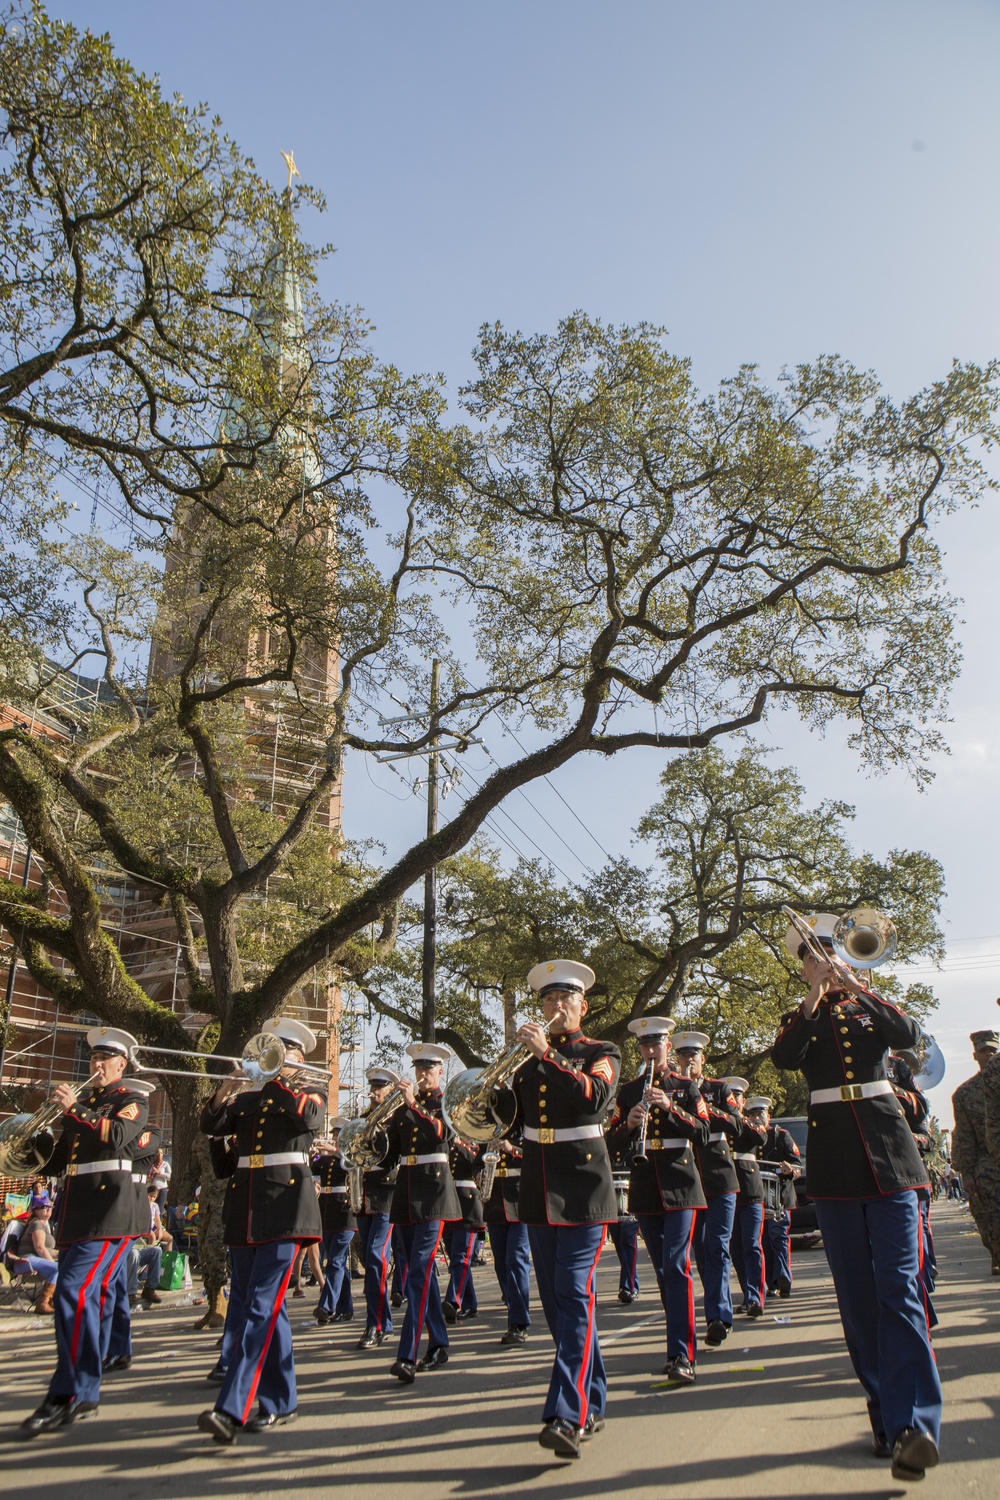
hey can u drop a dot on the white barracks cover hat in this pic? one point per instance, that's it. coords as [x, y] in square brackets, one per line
[822, 923]
[430, 1052]
[139, 1085]
[690, 1041]
[561, 974]
[110, 1039]
[382, 1075]
[760, 1101]
[292, 1033]
[740, 1085]
[648, 1027]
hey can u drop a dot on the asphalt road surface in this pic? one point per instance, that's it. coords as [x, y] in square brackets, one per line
[776, 1411]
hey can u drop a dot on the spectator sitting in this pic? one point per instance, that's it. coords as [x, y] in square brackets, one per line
[36, 1250]
[147, 1254]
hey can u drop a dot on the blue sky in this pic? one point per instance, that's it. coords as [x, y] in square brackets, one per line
[770, 181]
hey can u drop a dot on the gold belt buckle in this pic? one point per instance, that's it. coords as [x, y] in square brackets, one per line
[849, 1091]
[654, 1145]
[257, 1159]
[546, 1136]
[411, 1161]
[71, 1170]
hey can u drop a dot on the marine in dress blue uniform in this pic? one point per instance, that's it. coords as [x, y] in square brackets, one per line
[423, 1201]
[718, 1178]
[665, 1191]
[460, 1300]
[862, 1172]
[747, 1243]
[563, 1093]
[624, 1235]
[375, 1226]
[96, 1221]
[340, 1225]
[508, 1238]
[781, 1152]
[917, 1109]
[270, 1211]
[116, 1314]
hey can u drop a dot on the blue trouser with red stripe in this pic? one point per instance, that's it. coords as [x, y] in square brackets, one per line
[747, 1250]
[234, 1319]
[400, 1262]
[624, 1235]
[777, 1249]
[82, 1269]
[336, 1296]
[873, 1246]
[565, 1257]
[711, 1253]
[512, 1264]
[459, 1244]
[262, 1366]
[420, 1243]
[374, 1231]
[668, 1238]
[116, 1319]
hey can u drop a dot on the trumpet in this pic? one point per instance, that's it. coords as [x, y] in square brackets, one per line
[262, 1059]
[27, 1141]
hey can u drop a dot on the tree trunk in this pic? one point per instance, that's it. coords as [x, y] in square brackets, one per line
[509, 1016]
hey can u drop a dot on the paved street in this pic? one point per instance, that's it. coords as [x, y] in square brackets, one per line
[776, 1411]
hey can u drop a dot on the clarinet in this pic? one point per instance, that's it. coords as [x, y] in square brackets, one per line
[639, 1151]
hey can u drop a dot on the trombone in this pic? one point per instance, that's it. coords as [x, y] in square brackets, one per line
[262, 1059]
[863, 939]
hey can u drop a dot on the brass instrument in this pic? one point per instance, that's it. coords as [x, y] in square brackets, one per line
[487, 1174]
[262, 1059]
[27, 1141]
[639, 1150]
[863, 939]
[467, 1103]
[363, 1142]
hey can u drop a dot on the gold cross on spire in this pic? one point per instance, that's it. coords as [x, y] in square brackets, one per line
[293, 171]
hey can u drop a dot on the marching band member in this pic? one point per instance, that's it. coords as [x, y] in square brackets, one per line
[423, 1201]
[509, 1241]
[624, 1235]
[271, 1210]
[223, 1152]
[665, 1191]
[460, 1300]
[917, 1109]
[96, 1221]
[336, 1302]
[747, 1243]
[567, 1196]
[779, 1150]
[375, 1227]
[714, 1229]
[862, 1168]
[116, 1313]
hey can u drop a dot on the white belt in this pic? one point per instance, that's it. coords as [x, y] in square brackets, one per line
[85, 1168]
[425, 1159]
[510, 1172]
[744, 1156]
[849, 1091]
[137, 1177]
[275, 1159]
[717, 1135]
[333, 1190]
[547, 1137]
[464, 1183]
[667, 1143]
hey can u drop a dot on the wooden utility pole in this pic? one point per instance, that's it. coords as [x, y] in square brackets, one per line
[429, 974]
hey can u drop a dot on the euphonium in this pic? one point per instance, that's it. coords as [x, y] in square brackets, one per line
[468, 1105]
[363, 1142]
[27, 1142]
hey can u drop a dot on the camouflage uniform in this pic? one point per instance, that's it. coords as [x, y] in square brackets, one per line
[970, 1155]
[991, 1098]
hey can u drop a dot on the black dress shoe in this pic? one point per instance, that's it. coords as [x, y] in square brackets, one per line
[116, 1362]
[717, 1333]
[515, 1335]
[217, 1373]
[784, 1287]
[912, 1453]
[264, 1421]
[562, 1437]
[219, 1425]
[342, 1318]
[370, 1339]
[53, 1412]
[466, 1317]
[322, 1317]
[593, 1424]
[396, 1299]
[434, 1358]
[880, 1446]
[680, 1371]
[450, 1312]
[626, 1297]
[404, 1370]
[755, 1310]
